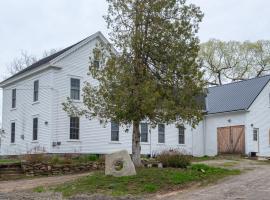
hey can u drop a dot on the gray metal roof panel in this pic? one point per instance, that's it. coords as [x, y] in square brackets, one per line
[234, 96]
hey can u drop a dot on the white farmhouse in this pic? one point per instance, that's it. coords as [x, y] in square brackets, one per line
[237, 118]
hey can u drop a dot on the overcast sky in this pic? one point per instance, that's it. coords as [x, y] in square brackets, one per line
[36, 26]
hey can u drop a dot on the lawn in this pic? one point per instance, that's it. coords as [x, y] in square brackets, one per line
[147, 180]
[7, 161]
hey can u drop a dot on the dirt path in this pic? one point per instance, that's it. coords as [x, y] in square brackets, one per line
[253, 184]
[27, 184]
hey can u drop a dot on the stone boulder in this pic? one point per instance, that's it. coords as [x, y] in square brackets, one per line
[119, 164]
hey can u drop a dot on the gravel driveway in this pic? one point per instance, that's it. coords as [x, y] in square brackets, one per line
[253, 184]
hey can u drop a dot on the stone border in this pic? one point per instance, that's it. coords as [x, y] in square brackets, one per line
[38, 169]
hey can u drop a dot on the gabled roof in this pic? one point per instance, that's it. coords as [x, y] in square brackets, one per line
[235, 96]
[51, 58]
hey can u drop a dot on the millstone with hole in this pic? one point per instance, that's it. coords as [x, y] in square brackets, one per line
[119, 164]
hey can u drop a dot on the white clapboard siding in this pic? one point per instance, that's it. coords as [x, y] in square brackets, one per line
[259, 117]
[24, 113]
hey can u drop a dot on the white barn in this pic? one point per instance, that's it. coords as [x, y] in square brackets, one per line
[33, 119]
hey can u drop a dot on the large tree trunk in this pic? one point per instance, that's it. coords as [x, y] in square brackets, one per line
[136, 147]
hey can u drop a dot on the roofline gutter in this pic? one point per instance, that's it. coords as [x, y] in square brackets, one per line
[27, 74]
[227, 112]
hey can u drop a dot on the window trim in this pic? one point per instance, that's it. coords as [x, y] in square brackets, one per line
[147, 137]
[36, 91]
[14, 98]
[72, 89]
[160, 133]
[77, 128]
[35, 129]
[12, 136]
[183, 133]
[115, 131]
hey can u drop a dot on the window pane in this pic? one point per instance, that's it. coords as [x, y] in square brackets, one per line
[161, 133]
[36, 89]
[114, 131]
[12, 133]
[181, 130]
[144, 132]
[74, 128]
[35, 128]
[13, 98]
[75, 89]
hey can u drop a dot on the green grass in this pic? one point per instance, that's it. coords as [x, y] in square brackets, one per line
[5, 161]
[147, 180]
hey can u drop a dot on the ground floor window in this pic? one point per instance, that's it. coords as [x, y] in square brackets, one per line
[74, 128]
[181, 135]
[114, 131]
[35, 128]
[144, 132]
[161, 133]
[12, 140]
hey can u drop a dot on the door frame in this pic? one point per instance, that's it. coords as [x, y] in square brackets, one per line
[258, 138]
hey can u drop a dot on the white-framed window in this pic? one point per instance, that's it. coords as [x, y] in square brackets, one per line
[181, 135]
[36, 90]
[144, 132]
[74, 128]
[114, 131]
[35, 129]
[13, 98]
[255, 134]
[12, 131]
[75, 88]
[161, 133]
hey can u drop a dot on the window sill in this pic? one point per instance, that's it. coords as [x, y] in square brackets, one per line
[34, 141]
[181, 145]
[36, 102]
[12, 144]
[145, 143]
[79, 141]
[12, 109]
[161, 143]
[115, 142]
[76, 101]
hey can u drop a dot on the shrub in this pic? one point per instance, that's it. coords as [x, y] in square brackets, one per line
[36, 158]
[174, 158]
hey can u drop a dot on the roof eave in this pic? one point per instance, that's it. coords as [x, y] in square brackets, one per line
[8, 82]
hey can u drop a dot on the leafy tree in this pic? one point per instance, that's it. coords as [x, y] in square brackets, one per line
[154, 76]
[233, 61]
[24, 60]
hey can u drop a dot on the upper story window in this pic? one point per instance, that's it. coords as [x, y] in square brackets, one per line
[114, 131]
[13, 103]
[181, 135]
[75, 89]
[144, 132]
[35, 128]
[12, 136]
[74, 128]
[161, 133]
[36, 89]
[96, 63]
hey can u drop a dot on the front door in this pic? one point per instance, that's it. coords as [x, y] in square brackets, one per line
[255, 140]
